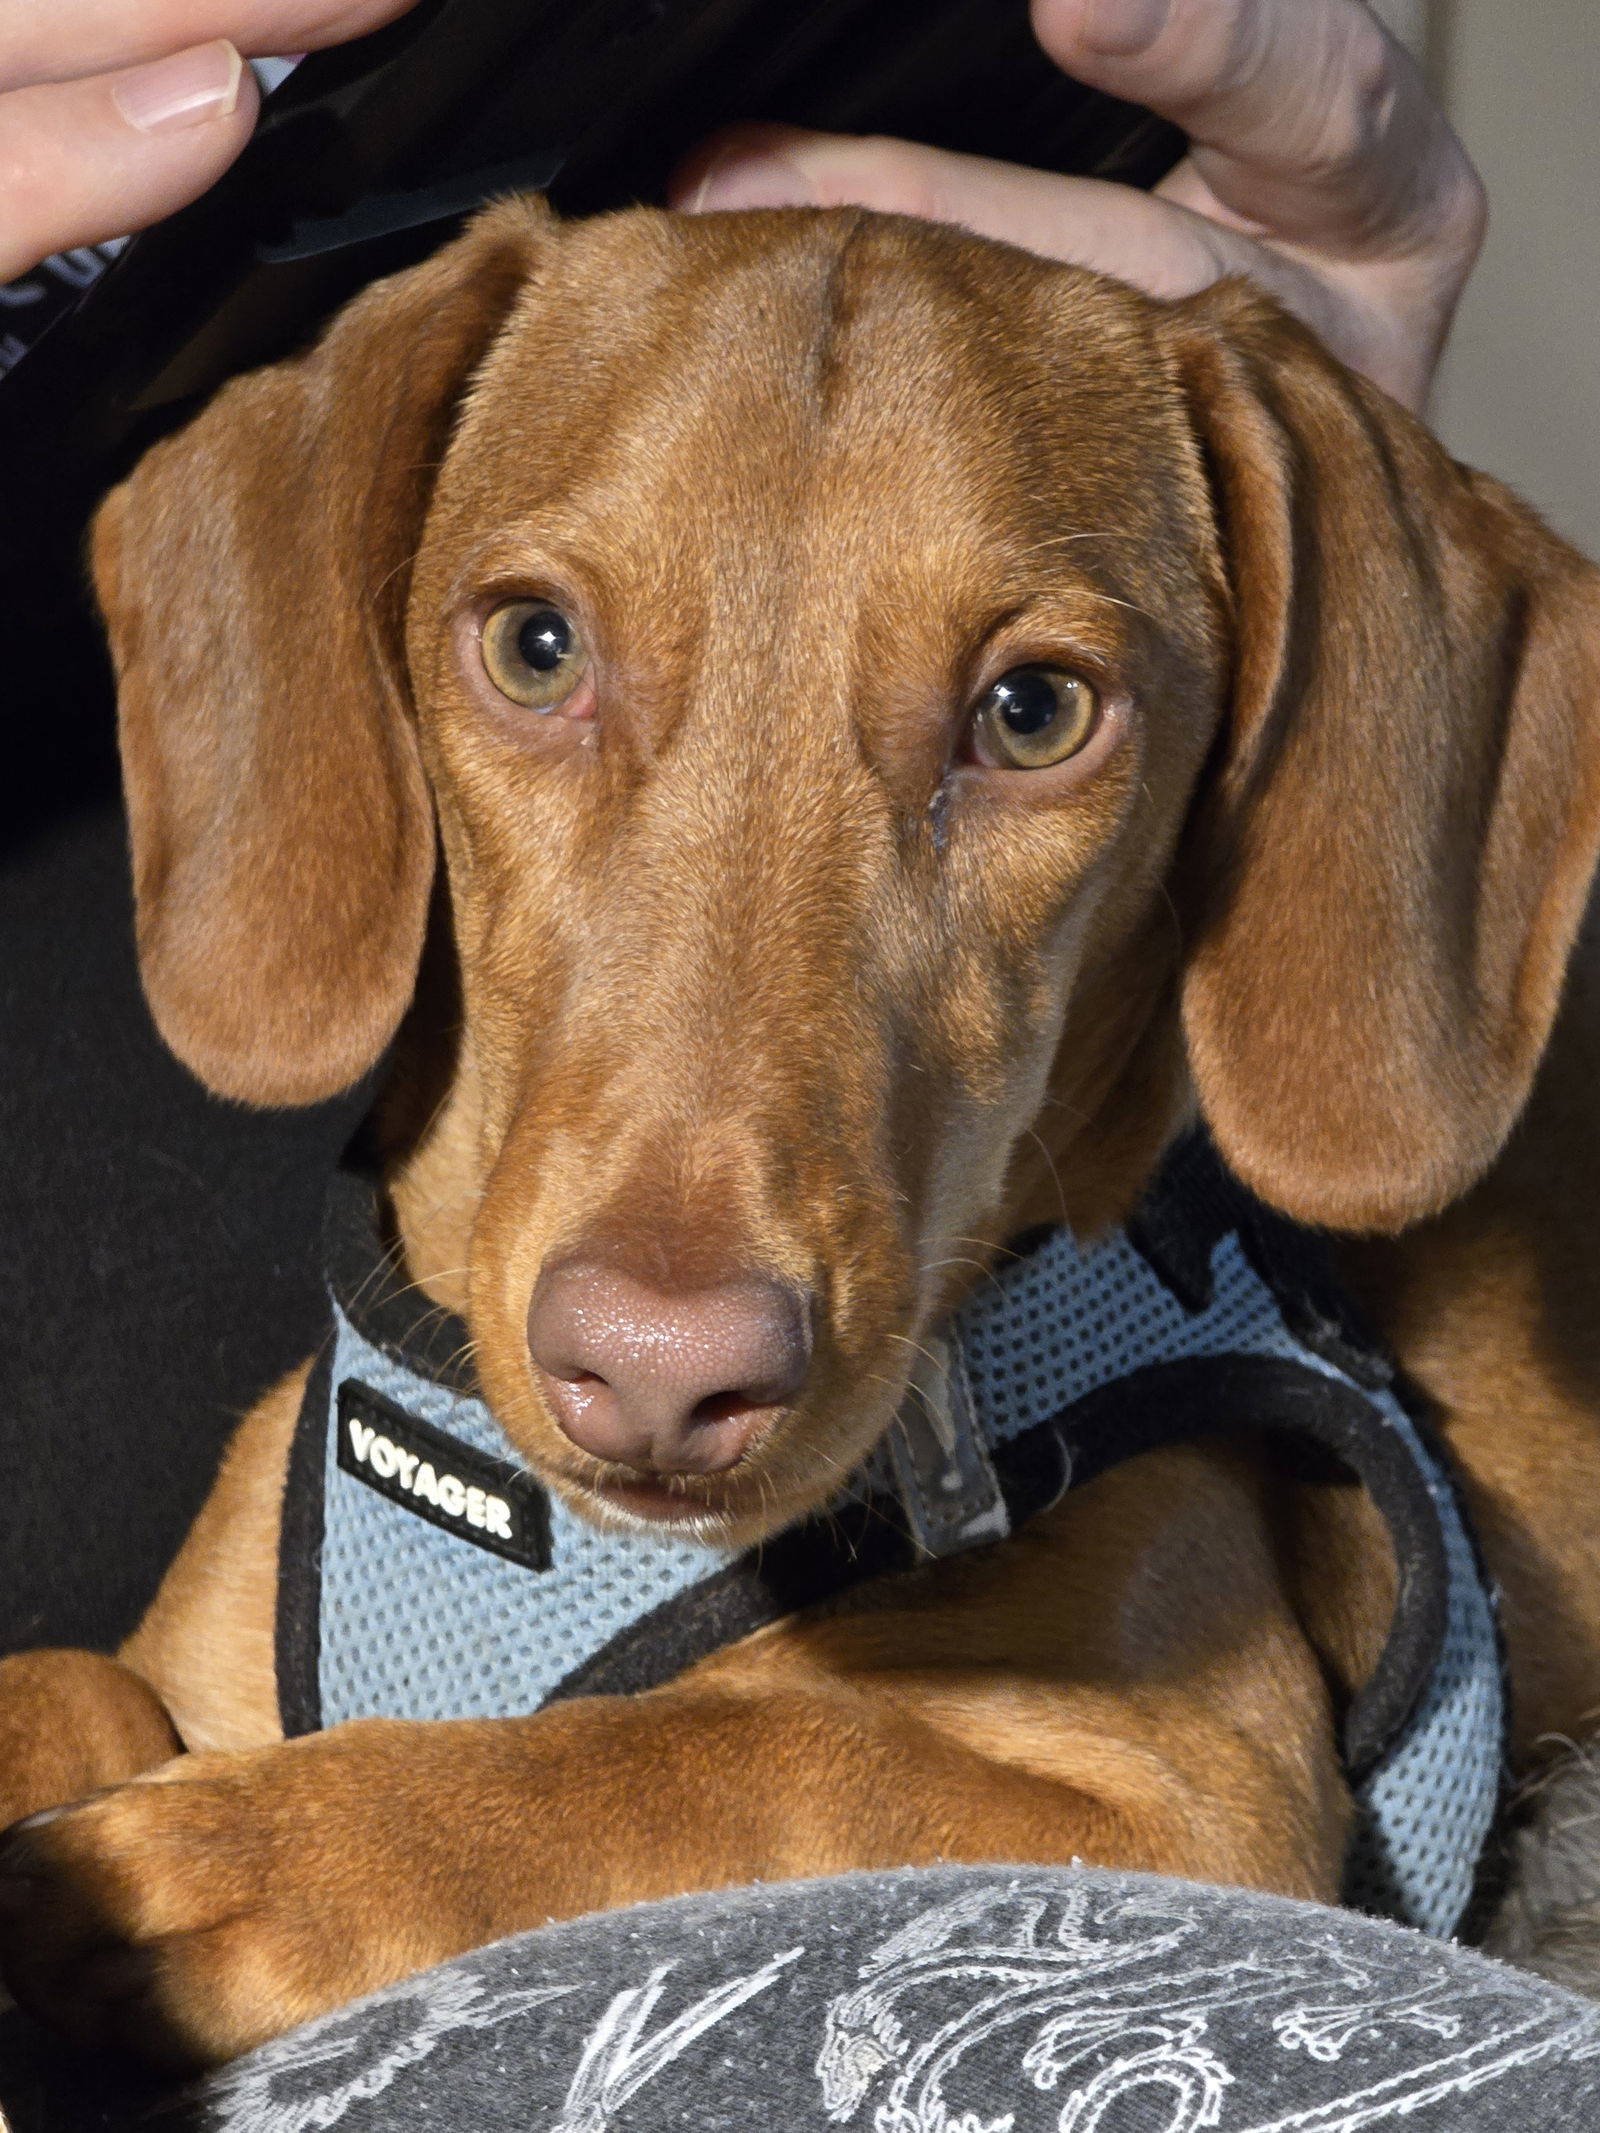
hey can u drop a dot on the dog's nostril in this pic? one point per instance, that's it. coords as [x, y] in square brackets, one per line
[719, 1407]
[666, 1381]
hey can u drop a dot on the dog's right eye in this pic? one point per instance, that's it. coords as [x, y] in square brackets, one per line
[1034, 717]
[534, 654]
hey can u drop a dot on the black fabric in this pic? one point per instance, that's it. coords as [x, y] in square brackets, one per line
[947, 2000]
[158, 1251]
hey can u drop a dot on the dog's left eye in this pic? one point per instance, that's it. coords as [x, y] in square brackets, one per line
[533, 653]
[1033, 717]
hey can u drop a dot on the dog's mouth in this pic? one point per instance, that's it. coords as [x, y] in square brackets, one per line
[664, 1500]
[719, 1510]
[732, 1471]
[737, 1507]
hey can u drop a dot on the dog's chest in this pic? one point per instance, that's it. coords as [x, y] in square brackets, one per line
[425, 1574]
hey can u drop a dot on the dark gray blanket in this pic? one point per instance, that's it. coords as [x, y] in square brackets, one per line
[957, 2000]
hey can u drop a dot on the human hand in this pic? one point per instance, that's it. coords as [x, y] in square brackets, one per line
[112, 115]
[1320, 165]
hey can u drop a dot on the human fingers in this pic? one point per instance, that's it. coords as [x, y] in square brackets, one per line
[62, 40]
[112, 117]
[81, 161]
[1084, 221]
[1309, 123]
[1113, 229]
[1321, 168]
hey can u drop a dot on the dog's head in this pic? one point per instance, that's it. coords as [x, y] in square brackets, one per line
[904, 722]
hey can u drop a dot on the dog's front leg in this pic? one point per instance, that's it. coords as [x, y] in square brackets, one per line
[227, 1897]
[197, 1912]
[1095, 1689]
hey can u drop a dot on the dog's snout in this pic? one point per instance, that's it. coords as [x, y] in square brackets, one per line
[668, 1382]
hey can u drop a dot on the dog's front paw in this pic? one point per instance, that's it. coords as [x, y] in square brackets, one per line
[196, 1912]
[71, 1722]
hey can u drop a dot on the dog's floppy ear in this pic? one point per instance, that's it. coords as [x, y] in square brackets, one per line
[253, 574]
[1392, 852]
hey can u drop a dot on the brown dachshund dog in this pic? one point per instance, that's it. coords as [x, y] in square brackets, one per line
[766, 973]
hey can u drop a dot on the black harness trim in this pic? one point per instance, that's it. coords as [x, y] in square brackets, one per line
[1203, 1396]
[299, 1624]
[803, 1566]
[386, 1309]
[1194, 1202]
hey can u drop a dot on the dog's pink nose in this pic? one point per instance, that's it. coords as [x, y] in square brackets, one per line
[668, 1382]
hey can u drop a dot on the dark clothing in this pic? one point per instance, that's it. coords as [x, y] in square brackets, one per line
[994, 2000]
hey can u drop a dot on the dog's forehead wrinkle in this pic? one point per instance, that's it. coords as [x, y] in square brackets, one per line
[862, 325]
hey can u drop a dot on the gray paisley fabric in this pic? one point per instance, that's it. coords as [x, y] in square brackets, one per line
[952, 2000]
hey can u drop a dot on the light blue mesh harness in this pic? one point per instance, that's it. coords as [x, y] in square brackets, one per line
[426, 1575]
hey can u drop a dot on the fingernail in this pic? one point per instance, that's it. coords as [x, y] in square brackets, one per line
[186, 90]
[743, 180]
[1124, 26]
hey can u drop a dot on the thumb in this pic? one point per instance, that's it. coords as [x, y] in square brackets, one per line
[87, 160]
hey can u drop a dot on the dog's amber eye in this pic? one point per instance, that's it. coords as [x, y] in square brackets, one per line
[533, 653]
[1033, 717]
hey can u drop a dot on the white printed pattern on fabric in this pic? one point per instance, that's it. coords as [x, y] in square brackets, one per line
[1059, 2005]
[1028, 2006]
[620, 2057]
[418, 1623]
[285, 2089]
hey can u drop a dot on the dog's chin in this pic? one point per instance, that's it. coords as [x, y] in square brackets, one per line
[727, 1514]
[661, 1506]
[733, 1510]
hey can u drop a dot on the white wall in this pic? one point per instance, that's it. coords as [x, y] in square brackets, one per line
[1519, 392]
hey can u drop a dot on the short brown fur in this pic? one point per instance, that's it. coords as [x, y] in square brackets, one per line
[759, 971]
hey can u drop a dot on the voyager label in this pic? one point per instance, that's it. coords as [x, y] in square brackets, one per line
[485, 1501]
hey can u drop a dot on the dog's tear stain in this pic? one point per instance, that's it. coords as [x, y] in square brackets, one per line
[939, 815]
